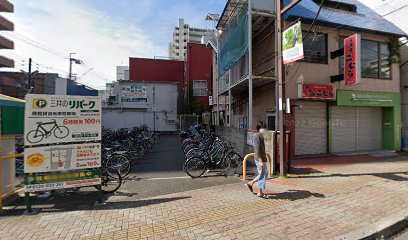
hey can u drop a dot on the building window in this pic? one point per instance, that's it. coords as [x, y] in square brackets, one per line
[338, 5]
[199, 88]
[375, 59]
[385, 64]
[315, 48]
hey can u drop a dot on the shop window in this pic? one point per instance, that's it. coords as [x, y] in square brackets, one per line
[375, 59]
[315, 48]
[199, 88]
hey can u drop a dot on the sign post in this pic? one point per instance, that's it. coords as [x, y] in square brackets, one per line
[281, 10]
[62, 138]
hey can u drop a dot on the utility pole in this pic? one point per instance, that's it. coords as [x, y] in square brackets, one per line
[70, 66]
[250, 77]
[154, 109]
[71, 60]
[29, 74]
[282, 89]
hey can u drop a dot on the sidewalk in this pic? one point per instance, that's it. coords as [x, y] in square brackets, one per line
[326, 201]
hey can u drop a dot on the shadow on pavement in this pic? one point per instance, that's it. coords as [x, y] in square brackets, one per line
[81, 201]
[294, 195]
[304, 170]
[390, 175]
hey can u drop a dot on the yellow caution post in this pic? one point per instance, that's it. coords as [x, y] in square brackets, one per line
[252, 155]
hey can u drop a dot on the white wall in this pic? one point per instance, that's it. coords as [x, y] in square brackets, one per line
[128, 114]
[122, 73]
[60, 86]
[116, 118]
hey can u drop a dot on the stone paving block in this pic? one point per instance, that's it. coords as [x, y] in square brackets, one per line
[341, 204]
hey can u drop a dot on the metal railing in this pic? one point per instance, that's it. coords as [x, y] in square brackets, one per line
[223, 82]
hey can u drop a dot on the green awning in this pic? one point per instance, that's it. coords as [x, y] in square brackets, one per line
[12, 115]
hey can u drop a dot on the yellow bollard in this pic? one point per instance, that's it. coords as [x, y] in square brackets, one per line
[252, 155]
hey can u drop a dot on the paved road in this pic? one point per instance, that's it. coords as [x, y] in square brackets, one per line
[401, 236]
[337, 201]
[161, 172]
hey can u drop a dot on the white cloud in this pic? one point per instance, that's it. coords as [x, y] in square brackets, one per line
[101, 41]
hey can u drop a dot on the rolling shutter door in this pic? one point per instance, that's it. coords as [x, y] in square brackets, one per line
[369, 129]
[344, 124]
[356, 129]
[311, 128]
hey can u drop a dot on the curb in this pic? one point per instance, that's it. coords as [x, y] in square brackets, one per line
[384, 229]
[390, 230]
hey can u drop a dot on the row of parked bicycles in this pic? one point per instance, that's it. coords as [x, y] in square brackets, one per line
[204, 151]
[121, 150]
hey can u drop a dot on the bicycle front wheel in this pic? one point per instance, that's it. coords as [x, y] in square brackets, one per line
[195, 167]
[119, 162]
[232, 161]
[111, 180]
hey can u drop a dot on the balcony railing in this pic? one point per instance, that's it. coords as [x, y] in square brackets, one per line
[240, 70]
[223, 82]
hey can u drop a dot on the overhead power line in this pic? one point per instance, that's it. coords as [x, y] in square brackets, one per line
[41, 46]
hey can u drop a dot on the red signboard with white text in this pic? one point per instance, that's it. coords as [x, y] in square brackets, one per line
[352, 60]
[315, 91]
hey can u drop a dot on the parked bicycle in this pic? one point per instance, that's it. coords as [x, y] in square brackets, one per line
[123, 148]
[205, 151]
[111, 180]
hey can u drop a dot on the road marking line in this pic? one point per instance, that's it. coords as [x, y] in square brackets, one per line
[166, 178]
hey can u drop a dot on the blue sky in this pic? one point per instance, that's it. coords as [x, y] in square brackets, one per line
[160, 15]
[103, 33]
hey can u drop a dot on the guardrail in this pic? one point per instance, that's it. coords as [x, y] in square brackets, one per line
[1, 170]
[268, 156]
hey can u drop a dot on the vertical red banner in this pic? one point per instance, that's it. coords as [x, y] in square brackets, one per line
[352, 60]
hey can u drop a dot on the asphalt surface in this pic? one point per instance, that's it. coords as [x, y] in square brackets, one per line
[161, 172]
[401, 236]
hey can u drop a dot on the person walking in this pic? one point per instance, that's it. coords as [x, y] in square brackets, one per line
[260, 160]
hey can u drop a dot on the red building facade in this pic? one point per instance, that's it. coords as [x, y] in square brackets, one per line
[193, 76]
[198, 76]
